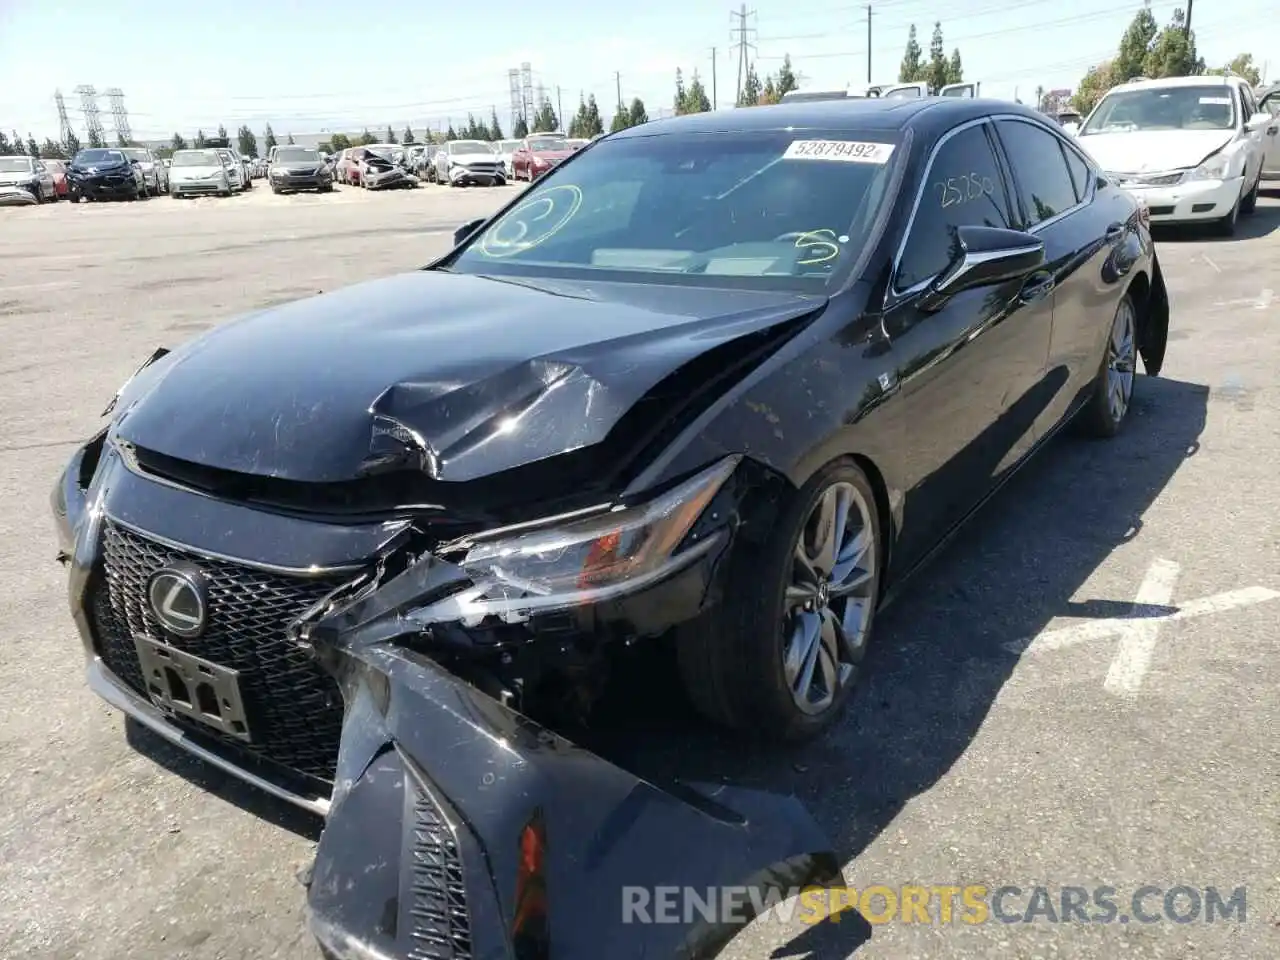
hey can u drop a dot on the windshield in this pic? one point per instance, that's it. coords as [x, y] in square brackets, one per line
[508, 146]
[196, 158]
[470, 146]
[297, 155]
[548, 143]
[15, 165]
[133, 153]
[99, 156]
[1164, 108]
[762, 211]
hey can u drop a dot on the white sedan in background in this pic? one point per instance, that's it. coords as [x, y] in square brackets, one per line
[1191, 147]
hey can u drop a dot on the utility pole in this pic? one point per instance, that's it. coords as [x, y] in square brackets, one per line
[715, 99]
[742, 34]
[559, 108]
[869, 80]
[1187, 31]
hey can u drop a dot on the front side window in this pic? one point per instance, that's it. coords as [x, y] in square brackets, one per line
[766, 210]
[963, 188]
[1039, 169]
[1163, 108]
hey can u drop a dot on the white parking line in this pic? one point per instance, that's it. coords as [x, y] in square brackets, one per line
[1138, 636]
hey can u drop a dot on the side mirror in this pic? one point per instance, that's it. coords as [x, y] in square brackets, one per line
[985, 256]
[1259, 121]
[463, 233]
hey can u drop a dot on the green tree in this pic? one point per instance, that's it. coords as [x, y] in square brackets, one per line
[52, 150]
[1173, 52]
[33, 146]
[450, 134]
[199, 141]
[121, 141]
[1241, 65]
[770, 92]
[71, 145]
[912, 68]
[1135, 44]
[391, 135]
[19, 145]
[365, 138]
[593, 123]
[751, 88]
[621, 119]
[579, 118]
[248, 142]
[638, 113]
[678, 101]
[339, 141]
[1097, 81]
[407, 138]
[955, 69]
[937, 71]
[222, 132]
[495, 128]
[178, 143]
[95, 139]
[695, 96]
[269, 139]
[545, 120]
[4, 144]
[786, 77]
[521, 129]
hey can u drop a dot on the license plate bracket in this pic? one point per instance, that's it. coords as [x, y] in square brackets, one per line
[191, 686]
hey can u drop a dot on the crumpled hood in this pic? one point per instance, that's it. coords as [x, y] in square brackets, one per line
[459, 376]
[1155, 150]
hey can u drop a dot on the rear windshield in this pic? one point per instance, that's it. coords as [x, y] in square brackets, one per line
[768, 210]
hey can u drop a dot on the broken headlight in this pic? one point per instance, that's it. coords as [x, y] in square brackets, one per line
[584, 561]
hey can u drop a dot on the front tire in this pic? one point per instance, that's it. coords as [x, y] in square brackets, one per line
[783, 654]
[1250, 203]
[1112, 395]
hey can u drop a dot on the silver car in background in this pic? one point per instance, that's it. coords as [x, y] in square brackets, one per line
[467, 162]
[154, 175]
[504, 149]
[198, 172]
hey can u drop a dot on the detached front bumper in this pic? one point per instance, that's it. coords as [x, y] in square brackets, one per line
[460, 828]
[1198, 200]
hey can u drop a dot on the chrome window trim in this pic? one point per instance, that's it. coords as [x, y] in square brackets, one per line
[895, 294]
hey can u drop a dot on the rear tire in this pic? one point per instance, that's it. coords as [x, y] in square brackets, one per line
[1104, 413]
[785, 634]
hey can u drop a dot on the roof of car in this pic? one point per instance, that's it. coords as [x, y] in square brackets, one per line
[869, 112]
[1203, 80]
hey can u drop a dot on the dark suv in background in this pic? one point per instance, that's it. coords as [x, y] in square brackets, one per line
[298, 168]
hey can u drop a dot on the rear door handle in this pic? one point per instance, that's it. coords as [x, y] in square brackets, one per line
[1039, 285]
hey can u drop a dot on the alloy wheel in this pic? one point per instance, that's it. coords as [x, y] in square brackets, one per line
[830, 599]
[1121, 361]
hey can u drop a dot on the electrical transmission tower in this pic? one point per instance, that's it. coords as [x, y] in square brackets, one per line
[89, 106]
[742, 37]
[120, 116]
[517, 96]
[526, 91]
[65, 131]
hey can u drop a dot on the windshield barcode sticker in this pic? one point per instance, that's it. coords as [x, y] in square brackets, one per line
[846, 151]
[1217, 101]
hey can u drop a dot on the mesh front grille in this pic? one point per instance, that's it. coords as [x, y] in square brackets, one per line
[294, 708]
[441, 923]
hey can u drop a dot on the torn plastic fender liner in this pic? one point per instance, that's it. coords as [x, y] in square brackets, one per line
[460, 828]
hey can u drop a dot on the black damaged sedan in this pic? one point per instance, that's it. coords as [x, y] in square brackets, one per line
[724, 379]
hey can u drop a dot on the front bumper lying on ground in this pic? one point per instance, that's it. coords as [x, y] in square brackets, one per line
[461, 829]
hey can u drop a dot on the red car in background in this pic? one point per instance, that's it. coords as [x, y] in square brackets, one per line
[348, 166]
[59, 171]
[537, 154]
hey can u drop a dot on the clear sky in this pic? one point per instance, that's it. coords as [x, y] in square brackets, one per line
[309, 66]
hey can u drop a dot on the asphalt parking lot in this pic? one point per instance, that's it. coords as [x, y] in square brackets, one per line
[1079, 693]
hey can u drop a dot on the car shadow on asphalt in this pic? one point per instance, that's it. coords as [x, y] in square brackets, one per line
[938, 660]
[939, 657]
[1264, 221]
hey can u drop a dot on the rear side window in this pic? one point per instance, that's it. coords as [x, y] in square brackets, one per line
[1045, 185]
[1079, 171]
[963, 188]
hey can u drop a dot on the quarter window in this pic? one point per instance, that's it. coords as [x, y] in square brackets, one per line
[1079, 171]
[1044, 183]
[963, 188]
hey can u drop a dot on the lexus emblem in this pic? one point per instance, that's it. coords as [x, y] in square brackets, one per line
[179, 598]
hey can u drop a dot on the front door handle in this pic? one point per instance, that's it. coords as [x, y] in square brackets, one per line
[1038, 286]
[1114, 232]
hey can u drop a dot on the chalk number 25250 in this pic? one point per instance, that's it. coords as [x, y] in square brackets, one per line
[965, 188]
